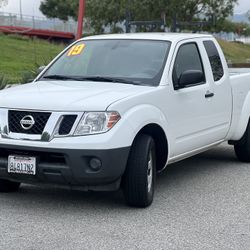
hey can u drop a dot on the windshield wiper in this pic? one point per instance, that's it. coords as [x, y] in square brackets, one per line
[108, 79]
[61, 77]
[90, 78]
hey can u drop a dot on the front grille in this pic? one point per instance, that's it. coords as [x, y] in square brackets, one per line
[40, 118]
[67, 124]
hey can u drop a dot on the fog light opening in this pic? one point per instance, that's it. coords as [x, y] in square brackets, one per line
[95, 164]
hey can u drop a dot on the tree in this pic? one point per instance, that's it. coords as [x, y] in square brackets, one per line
[105, 13]
[112, 12]
[62, 9]
[248, 15]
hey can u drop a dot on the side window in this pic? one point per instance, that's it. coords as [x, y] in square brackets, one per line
[188, 62]
[214, 59]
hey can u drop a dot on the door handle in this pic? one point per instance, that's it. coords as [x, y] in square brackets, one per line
[209, 94]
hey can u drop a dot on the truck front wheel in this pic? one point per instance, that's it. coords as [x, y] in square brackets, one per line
[8, 186]
[140, 174]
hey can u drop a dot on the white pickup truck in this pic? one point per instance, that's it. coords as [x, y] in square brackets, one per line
[111, 111]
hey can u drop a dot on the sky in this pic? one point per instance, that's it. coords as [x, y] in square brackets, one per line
[31, 7]
[243, 6]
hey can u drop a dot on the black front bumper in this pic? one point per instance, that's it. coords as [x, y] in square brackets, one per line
[70, 167]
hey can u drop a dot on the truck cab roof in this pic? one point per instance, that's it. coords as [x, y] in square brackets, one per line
[173, 37]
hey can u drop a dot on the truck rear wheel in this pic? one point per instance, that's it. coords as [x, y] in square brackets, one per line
[8, 186]
[242, 148]
[139, 178]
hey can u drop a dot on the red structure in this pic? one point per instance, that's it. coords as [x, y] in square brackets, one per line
[41, 27]
[48, 34]
[80, 18]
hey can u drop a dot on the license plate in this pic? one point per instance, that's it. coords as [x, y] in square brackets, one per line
[22, 165]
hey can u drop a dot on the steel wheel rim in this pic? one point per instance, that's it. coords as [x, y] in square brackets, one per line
[150, 171]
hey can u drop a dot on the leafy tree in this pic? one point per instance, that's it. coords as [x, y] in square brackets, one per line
[248, 15]
[105, 13]
[62, 9]
[112, 12]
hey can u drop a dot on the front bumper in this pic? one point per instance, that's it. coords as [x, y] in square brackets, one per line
[69, 167]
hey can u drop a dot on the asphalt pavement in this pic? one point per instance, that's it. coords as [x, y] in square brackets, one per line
[200, 203]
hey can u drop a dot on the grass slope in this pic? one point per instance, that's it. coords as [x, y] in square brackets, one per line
[20, 54]
[236, 52]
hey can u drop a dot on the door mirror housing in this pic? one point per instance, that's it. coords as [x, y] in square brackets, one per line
[189, 78]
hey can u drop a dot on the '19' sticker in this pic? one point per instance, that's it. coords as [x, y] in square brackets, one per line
[76, 50]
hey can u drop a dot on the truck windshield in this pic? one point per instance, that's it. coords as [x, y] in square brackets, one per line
[139, 62]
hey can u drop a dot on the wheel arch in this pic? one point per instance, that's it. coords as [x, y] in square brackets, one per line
[240, 122]
[161, 143]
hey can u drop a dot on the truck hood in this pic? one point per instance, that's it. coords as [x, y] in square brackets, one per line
[67, 95]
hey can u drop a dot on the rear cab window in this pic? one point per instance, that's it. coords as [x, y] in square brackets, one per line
[215, 60]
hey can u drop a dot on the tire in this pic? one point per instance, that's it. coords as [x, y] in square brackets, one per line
[8, 186]
[140, 174]
[242, 148]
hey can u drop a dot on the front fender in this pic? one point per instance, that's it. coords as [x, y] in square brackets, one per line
[142, 115]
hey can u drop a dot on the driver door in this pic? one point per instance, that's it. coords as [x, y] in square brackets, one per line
[193, 111]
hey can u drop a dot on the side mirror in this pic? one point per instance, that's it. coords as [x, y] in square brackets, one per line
[40, 69]
[190, 77]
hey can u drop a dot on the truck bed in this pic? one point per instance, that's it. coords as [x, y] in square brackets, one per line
[237, 71]
[240, 82]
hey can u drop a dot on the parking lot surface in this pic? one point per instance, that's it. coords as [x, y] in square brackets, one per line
[200, 203]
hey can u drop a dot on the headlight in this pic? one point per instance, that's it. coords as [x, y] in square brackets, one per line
[97, 122]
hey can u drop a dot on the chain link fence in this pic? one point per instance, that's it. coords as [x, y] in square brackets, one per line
[33, 22]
